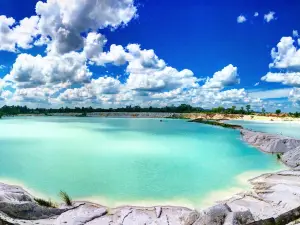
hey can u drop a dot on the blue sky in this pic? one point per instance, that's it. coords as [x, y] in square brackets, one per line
[177, 49]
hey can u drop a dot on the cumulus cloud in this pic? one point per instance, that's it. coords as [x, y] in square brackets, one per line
[146, 71]
[149, 73]
[17, 35]
[256, 14]
[33, 95]
[70, 31]
[4, 94]
[160, 80]
[116, 55]
[269, 17]
[59, 24]
[75, 95]
[286, 59]
[241, 19]
[207, 97]
[31, 72]
[228, 76]
[2, 84]
[286, 56]
[295, 33]
[93, 45]
[236, 96]
[292, 79]
[92, 91]
[6, 43]
[271, 94]
[64, 21]
[105, 85]
[110, 91]
[295, 96]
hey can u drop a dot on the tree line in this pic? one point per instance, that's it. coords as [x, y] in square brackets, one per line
[183, 108]
[16, 110]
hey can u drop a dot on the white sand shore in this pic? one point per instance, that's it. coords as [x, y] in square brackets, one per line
[200, 202]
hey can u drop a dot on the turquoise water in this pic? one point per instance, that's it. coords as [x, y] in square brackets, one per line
[125, 159]
[290, 129]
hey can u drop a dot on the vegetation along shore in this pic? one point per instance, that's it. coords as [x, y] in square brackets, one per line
[175, 112]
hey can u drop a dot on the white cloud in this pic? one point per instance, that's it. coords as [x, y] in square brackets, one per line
[295, 96]
[256, 14]
[292, 79]
[51, 79]
[286, 56]
[146, 71]
[241, 19]
[268, 94]
[111, 92]
[65, 41]
[93, 45]
[14, 36]
[97, 90]
[207, 97]
[64, 20]
[25, 32]
[160, 80]
[227, 98]
[149, 73]
[228, 76]
[116, 55]
[269, 17]
[75, 95]
[29, 71]
[238, 96]
[5, 95]
[256, 84]
[286, 59]
[6, 42]
[2, 84]
[105, 85]
[42, 40]
[35, 95]
[295, 33]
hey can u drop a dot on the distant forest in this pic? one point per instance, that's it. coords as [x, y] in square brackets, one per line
[183, 108]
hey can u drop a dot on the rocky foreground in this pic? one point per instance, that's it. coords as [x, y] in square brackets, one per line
[274, 199]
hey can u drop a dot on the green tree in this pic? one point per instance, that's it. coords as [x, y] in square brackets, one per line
[233, 108]
[263, 111]
[242, 110]
[278, 111]
[248, 107]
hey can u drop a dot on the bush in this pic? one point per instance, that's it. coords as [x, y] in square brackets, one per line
[279, 156]
[45, 203]
[66, 198]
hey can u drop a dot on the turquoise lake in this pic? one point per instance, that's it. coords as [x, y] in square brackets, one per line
[125, 160]
[286, 128]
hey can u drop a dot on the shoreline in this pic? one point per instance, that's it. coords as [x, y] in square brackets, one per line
[209, 199]
[170, 115]
[271, 196]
